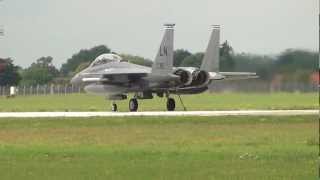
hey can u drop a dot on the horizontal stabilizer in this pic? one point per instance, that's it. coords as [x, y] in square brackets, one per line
[238, 75]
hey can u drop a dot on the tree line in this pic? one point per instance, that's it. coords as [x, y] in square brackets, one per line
[294, 65]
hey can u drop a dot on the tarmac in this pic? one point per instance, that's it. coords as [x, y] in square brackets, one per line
[162, 113]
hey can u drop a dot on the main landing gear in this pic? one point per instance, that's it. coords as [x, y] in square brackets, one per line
[134, 105]
[171, 104]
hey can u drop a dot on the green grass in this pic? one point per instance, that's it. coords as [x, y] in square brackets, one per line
[215, 101]
[159, 148]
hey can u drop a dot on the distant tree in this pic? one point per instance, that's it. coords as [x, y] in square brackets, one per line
[85, 55]
[193, 60]
[294, 59]
[292, 65]
[9, 75]
[179, 56]
[226, 57]
[296, 65]
[137, 60]
[40, 72]
[262, 65]
[43, 62]
[81, 67]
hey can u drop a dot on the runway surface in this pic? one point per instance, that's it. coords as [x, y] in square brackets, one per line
[175, 113]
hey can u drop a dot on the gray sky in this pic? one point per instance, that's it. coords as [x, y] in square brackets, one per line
[60, 28]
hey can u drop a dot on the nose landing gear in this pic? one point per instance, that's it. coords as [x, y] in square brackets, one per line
[114, 107]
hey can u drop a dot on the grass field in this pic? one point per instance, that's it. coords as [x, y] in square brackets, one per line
[160, 148]
[215, 101]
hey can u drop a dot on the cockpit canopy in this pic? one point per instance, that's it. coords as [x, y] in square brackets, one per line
[106, 58]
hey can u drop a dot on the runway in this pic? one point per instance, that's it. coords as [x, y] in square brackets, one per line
[163, 114]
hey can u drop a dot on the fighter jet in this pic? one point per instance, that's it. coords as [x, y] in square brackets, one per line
[114, 77]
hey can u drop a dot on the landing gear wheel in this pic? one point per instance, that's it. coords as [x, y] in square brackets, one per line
[171, 104]
[133, 105]
[114, 107]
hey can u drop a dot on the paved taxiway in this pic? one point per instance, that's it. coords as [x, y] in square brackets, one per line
[175, 113]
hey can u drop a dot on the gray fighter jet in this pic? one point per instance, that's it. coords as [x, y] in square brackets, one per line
[114, 77]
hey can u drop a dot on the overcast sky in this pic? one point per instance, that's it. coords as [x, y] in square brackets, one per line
[60, 28]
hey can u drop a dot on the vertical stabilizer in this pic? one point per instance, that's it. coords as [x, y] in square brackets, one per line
[211, 58]
[163, 63]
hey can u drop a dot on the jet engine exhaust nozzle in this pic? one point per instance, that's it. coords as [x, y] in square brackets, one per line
[200, 78]
[185, 77]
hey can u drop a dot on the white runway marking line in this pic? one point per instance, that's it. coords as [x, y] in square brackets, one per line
[175, 113]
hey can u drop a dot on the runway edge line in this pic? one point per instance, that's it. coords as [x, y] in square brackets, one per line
[163, 114]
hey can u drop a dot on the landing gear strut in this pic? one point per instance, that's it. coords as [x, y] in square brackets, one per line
[133, 105]
[171, 104]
